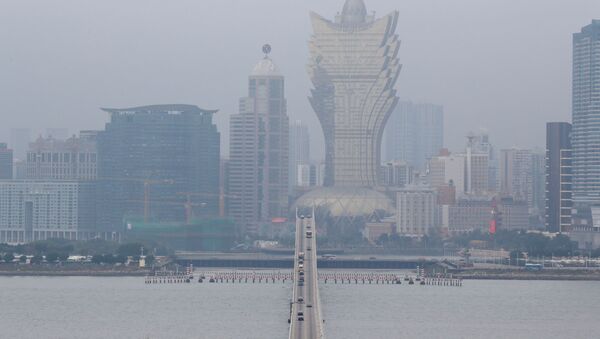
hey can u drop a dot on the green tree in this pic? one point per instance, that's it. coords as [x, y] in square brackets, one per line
[97, 259]
[383, 239]
[108, 259]
[561, 245]
[23, 259]
[120, 259]
[150, 260]
[63, 256]
[37, 259]
[51, 257]
[9, 257]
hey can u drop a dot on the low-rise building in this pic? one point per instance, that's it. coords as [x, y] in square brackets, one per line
[472, 213]
[468, 214]
[374, 230]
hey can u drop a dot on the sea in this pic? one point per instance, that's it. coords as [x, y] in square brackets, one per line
[125, 307]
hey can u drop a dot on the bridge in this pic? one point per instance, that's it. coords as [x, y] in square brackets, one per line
[305, 308]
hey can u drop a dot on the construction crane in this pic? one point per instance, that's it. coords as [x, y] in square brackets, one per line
[147, 183]
[220, 195]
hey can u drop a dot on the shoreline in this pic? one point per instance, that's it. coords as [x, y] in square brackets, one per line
[71, 274]
[520, 274]
[82, 273]
[465, 275]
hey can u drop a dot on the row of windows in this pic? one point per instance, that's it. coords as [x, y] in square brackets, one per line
[61, 157]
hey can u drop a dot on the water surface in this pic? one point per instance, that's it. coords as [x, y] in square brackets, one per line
[94, 307]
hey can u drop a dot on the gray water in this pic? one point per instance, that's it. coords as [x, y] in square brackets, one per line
[89, 307]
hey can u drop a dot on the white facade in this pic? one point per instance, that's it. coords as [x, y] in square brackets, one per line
[299, 150]
[477, 172]
[416, 211]
[308, 175]
[443, 169]
[35, 210]
[56, 159]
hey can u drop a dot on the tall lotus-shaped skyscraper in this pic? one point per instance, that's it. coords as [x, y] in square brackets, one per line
[353, 67]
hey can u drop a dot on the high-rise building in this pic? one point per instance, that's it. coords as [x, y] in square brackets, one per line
[55, 159]
[559, 177]
[38, 210]
[447, 168]
[6, 162]
[414, 133]
[258, 166]
[19, 142]
[476, 170]
[396, 174]
[353, 66]
[416, 210]
[480, 143]
[158, 163]
[585, 136]
[538, 203]
[516, 175]
[310, 175]
[299, 150]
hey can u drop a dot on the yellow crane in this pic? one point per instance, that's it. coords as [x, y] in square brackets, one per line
[147, 183]
[221, 195]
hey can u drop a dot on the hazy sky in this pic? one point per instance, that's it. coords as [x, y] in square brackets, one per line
[503, 65]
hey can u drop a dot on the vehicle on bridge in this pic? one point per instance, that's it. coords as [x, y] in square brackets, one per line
[309, 234]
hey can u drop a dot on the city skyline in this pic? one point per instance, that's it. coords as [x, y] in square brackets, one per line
[385, 149]
[426, 77]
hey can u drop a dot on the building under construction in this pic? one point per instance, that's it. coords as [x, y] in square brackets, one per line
[157, 163]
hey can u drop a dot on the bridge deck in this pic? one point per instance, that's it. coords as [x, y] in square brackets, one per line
[305, 317]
